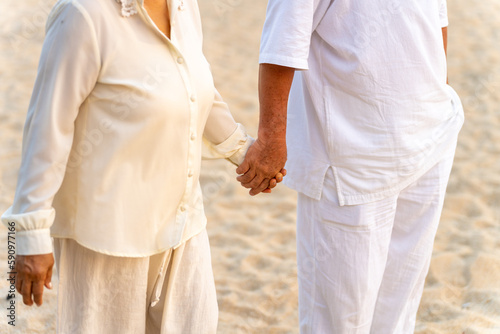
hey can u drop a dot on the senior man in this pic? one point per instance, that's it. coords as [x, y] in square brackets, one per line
[372, 131]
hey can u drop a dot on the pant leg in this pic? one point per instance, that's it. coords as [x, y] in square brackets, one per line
[417, 217]
[341, 254]
[188, 302]
[98, 293]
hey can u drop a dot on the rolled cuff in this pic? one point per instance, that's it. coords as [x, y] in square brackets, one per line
[234, 148]
[33, 242]
[239, 156]
[32, 230]
[33, 220]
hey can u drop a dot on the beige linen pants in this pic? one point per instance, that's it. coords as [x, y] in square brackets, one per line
[171, 292]
[362, 268]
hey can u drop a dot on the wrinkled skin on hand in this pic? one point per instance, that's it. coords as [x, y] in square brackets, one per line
[33, 273]
[263, 166]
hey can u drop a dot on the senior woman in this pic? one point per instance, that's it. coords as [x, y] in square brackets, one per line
[123, 102]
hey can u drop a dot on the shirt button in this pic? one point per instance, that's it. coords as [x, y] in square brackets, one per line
[193, 136]
[180, 60]
[183, 208]
[192, 98]
[190, 173]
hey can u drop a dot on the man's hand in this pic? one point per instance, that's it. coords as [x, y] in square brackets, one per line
[263, 166]
[33, 273]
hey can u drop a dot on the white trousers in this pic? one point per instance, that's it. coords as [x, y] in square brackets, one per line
[362, 268]
[171, 292]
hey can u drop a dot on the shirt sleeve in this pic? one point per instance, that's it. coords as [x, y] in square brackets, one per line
[286, 36]
[443, 13]
[67, 72]
[223, 138]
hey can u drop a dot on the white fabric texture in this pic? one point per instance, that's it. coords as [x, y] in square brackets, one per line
[115, 129]
[99, 293]
[362, 268]
[372, 103]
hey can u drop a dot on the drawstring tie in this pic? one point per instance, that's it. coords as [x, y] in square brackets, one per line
[155, 298]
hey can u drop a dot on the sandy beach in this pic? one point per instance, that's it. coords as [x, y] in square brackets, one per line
[253, 239]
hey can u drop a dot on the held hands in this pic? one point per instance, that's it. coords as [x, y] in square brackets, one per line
[274, 181]
[263, 166]
[33, 273]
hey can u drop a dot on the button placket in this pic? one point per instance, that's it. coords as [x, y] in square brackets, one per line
[182, 218]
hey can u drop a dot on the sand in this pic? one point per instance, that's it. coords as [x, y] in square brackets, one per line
[253, 239]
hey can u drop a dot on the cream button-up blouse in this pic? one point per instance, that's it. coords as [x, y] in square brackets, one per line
[113, 139]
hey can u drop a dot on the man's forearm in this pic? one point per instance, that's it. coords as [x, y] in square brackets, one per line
[445, 39]
[274, 86]
[267, 156]
[445, 44]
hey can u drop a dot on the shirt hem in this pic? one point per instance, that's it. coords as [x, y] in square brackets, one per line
[367, 198]
[357, 199]
[297, 63]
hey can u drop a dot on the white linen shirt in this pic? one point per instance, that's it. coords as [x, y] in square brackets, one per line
[113, 139]
[373, 104]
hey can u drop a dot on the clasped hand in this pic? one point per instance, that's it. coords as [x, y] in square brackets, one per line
[262, 168]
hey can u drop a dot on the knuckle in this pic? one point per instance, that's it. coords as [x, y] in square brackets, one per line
[254, 184]
[37, 275]
[270, 173]
[246, 178]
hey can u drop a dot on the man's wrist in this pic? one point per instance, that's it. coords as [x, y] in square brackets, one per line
[272, 135]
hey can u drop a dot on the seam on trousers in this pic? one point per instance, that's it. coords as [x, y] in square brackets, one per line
[62, 257]
[314, 292]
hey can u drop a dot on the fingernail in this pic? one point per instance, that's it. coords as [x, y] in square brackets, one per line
[50, 285]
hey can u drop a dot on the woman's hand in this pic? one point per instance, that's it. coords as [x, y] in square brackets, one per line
[33, 273]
